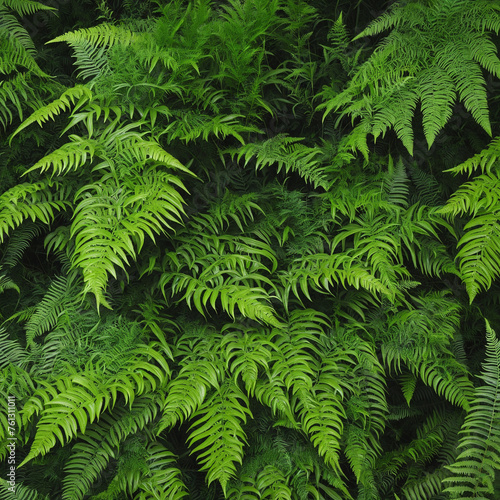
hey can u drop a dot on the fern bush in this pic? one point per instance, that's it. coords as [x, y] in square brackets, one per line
[206, 293]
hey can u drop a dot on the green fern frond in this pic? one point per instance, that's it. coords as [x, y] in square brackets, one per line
[25, 7]
[162, 481]
[430, 61]
[89, 458]
[479, 255]
[480, 195]
[38, 201]
[104, 34]
[18, 242]
[11, 353]
[428, 189]
[485, 160]
[287, 154]
[273, 484]
[438, 95]
[78, 94]
[10, 26]
[14, 55]
[91, 60]
[361, 456]
[80, 399]
[253, 303]
[187, 392]
[110, 224]
[396, 184]
[19, 492]
[194, 126]
[100, 444]
[59, 297]
[475, 468]
[217, 436]
[243, 489]
[241, 209]
[13, 93]
[71, 156]
[246, 353]
[322, 271]
[468, 79]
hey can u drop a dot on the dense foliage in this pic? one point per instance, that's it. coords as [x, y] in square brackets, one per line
[250, 249]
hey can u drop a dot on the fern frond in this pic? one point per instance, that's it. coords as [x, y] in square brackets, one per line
[193, 126]
[246, 354]
[110, 224]
[100, 444]
[78, 94]
[273, 484]
[25, 7]
[287, 154]
[59, 297]
[437, 92]
[187, 392]
[105, 34]
[361, 455]
[14, 56]
[71, 156]
[428, 188]
[199, 373]
[322, 271]
[13, 93]
[18, 242]
[91, 60]
[475, 468]
[84, 397]
[38, 201]
[479, 255]
[163, 481]
[19, 492]
[396, 184]
[10, 26]
[217, 436]
[11, 352]
[434, 52]
[484, 160]
[468, 79]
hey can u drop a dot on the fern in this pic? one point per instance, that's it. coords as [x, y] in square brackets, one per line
[288, 155]
[77, 95]
[25, 7]
[102, 35]
[162, 480]
[246, 355]
[484, 160]
[21, 492]
[284, 313]
[17, 60]
[273, 483]
[59, 297]
[430, 61]
[475, 468]
[31, 201]
[187, 391]
[85, 397]
[218, 434]
[18, 242]
[100, 444]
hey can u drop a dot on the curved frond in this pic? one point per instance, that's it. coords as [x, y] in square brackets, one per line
[217, 436]
[475, 468]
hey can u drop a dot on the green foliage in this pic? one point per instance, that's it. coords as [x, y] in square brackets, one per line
[435, 52]
[18, 67]
[282, 319]
[476, 466]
